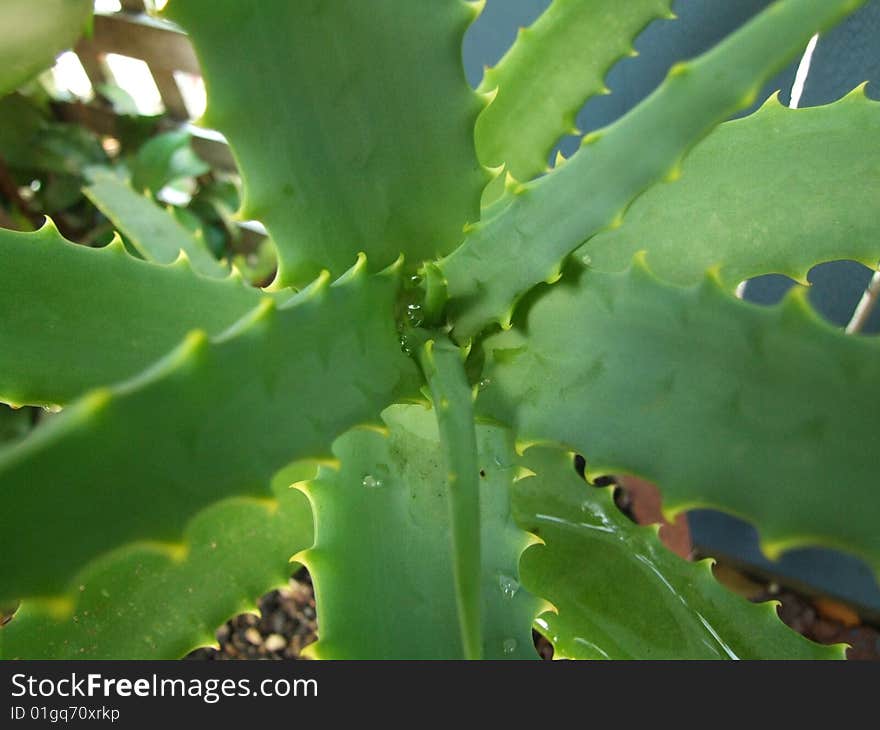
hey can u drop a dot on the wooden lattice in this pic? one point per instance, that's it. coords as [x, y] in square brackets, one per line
[166, 50]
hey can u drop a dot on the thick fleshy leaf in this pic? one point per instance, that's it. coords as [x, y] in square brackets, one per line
[452, 397]
[777, 192]
[29, 40]
[554, 66]
[620, 594]
[766, 413]
[154, 232]
[383, 549]
[364, 139]
[215, 418]
[523, 237]
[74, 318]
[146, 602]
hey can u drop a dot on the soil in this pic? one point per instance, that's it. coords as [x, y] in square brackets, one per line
[286, 625]
[827, 622]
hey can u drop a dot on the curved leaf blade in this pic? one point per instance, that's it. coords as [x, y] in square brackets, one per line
[143, 602]
[30, 40]
[776, 192]
[289, 379]
[554, 66]
[451, 395]
[383, 543]
[620, 594]
[349, 152]
[154, 232]
[524, 237]
[73, 318]
[761, 412]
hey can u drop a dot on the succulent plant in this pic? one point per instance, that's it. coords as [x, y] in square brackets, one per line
[451, 321]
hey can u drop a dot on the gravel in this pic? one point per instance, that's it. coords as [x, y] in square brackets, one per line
[285, 626]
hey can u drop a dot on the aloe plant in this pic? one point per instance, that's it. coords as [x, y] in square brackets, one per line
[450, 323]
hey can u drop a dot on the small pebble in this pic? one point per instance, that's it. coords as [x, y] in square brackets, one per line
[253, 636]
[275, 642]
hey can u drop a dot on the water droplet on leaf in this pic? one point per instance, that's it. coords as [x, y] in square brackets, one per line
[509, 585]
[370, 482]
[502, 464]
[414, 314]
[509, 646]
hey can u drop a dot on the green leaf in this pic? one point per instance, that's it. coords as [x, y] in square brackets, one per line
[383, 547]
[766, 413]
[620, 594]
[776, 192]
[164, 159]
[155, 233]
[443, 365]
[21, 121]
[215, 203]
[364, 137]
[146, 602]
[136, 461]
[31, 39]
[59, 193]
[122, 102]
[34, 145]
[523, 237]
[258, 266]
[554, 66]
[67, 148]
[74, 318]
